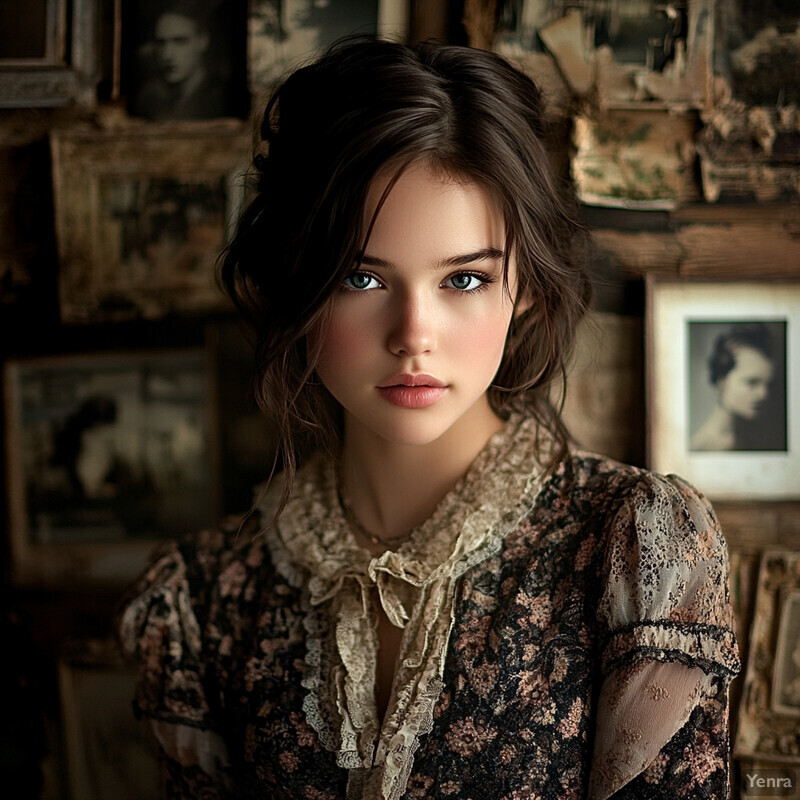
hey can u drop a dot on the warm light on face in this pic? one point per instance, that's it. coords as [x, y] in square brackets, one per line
[745, 388]
[427, 306]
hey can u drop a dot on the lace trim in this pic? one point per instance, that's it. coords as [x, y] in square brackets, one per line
[709, 647]
[416, 586]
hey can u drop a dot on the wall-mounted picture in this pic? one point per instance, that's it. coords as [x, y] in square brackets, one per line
[48, 52]
[722, 374]
[284, 33]
[186, 59]
[142, 214]
[770, 707]
[106, 454]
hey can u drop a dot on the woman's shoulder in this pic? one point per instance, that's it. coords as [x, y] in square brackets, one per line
[186, 577]
[605, 483]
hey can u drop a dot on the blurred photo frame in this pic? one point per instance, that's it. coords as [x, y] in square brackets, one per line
[723, 383]
[142, 213]
[283, 34]
[770, 706]
[106, 454]
[48, 53]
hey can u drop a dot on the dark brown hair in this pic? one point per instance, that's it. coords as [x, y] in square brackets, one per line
[328, 129]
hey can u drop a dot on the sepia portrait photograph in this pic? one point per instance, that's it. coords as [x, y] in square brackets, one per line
[722, 378]
[737, 385]
[186, 59]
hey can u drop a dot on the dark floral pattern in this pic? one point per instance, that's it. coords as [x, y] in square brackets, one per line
[610, 569]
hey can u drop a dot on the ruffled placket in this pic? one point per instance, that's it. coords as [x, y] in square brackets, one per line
[313, 547]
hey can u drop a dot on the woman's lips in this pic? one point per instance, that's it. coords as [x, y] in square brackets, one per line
[409, 390]
[412, 396]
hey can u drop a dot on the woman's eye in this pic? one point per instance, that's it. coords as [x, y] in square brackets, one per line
[360, 281]
[465, 282]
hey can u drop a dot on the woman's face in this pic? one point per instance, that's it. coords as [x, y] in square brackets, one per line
[417, 332]
[745, 388]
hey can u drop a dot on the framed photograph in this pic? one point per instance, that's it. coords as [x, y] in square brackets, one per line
[105, 455]
[185, 59]
[769, 728]
[48, 53]
[723, 385]
[284, 33]
[142, 213]
[108, 752]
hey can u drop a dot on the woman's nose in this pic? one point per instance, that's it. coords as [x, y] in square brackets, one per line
[412, 329]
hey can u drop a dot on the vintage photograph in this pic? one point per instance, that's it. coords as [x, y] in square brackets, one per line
[186, 59]
[284, 33]
[770, 706]
[721, 378]
[142, 215]
[107, 449]
[48, 54]
[737, 385]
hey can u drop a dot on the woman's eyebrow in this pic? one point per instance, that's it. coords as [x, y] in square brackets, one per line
[485, 254]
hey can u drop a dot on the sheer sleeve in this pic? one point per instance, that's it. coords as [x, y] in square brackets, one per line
[159, 629]
[669, 651]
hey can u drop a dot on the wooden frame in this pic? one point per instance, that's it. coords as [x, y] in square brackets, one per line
[768, 731]
[142, 213]
[734, 446]
[280, 39]
[108, 753]
[64, 69]
[105, 454]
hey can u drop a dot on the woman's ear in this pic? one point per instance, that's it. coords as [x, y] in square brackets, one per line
[524, 303]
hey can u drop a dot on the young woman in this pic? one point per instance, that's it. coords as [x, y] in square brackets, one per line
[437, 597]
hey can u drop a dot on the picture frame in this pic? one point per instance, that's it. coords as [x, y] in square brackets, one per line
[767, 725]
[106, 454]
[107, 751]
[48, 54]
[722, 385]
[142, 212]
[282, 35]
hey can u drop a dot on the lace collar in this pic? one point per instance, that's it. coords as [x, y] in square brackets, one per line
[313, 547]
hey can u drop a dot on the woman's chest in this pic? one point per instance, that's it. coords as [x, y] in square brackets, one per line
[515, 696]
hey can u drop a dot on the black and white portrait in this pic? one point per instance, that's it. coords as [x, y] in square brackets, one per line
[737, 386]
[188, 59]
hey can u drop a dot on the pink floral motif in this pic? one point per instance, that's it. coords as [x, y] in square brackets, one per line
[539, 610]
[703, 760]
[288, 761]
[569, 727]
[466, 738]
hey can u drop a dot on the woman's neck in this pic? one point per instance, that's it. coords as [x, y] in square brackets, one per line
[391, 488]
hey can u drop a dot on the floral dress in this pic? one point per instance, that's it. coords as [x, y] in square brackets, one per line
[566, 634]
